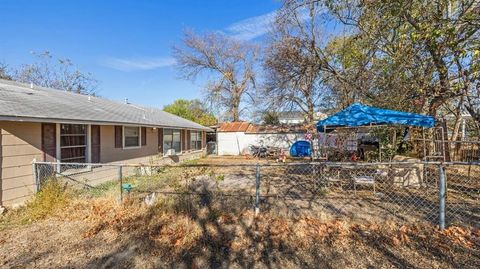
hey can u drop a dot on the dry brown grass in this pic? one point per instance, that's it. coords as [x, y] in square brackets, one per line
[166, 234]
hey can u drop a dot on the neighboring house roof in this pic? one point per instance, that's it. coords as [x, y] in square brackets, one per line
[20, 102]
[290, 115]
[278, 129]
[250, 128]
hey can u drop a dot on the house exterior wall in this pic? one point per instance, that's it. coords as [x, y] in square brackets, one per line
[108, 152]
[20, 144]
[291, 121]
[236, 143]
[148, 154]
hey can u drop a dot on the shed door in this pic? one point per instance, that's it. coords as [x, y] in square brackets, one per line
[95, 143]
[49, 142]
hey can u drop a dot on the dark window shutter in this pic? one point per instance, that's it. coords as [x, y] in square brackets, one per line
[118, 137]
[189, 140]
[182, 138]
[144, 136]
[49, 142]
[204, 139]
[160, 140]
[95, 143]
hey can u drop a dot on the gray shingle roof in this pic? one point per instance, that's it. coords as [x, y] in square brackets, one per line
[20, 102]
[290, 115]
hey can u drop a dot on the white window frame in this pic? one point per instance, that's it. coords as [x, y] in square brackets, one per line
[163, 141]
[199, 133]
[58, 143]
[139, 137]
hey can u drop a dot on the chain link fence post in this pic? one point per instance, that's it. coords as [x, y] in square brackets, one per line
[441, 195]
[120, 179]
[257, 190]
[35, 175]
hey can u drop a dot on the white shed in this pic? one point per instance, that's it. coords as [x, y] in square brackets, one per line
[235, 138]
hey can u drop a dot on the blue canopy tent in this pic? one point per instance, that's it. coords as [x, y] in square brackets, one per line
[357, 115]
[361, 115]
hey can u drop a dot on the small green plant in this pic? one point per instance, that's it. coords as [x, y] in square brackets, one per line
[52, 197]
[220, 178]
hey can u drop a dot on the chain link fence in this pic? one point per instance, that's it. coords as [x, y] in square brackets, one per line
[440, 194]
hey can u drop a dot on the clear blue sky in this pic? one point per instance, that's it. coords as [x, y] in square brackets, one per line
[126, 45]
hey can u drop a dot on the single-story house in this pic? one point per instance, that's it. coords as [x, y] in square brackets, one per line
[235, 138]
[51, 125]
[291, 117]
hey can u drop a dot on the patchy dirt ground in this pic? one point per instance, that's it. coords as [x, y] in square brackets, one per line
[103, 235]
[216, 231]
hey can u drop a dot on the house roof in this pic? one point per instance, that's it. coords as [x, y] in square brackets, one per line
[290, 115]
[20, 102]
[278, 129]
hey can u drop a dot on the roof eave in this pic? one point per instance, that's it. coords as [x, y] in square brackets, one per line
[78, 121]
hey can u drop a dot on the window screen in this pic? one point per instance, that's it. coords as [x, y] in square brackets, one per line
[73, 143]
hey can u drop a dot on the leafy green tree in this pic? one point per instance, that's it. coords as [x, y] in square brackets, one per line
[193, 110]
[416, 55]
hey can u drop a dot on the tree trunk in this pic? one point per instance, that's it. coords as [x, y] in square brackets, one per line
[311, 111]
[236, 109]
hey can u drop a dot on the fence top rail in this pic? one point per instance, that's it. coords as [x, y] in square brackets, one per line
[448, 141]
[331, 164]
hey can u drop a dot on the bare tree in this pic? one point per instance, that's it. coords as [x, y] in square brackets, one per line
[297, 65]
[4, 74]
[230, 62]
[54, 73]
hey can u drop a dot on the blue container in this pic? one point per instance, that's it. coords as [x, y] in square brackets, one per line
[301, 148]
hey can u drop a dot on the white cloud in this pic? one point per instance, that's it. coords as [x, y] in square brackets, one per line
[137, 64]
[251, 28]
[257, 26]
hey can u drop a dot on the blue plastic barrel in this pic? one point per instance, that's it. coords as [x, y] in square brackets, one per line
[301, 148]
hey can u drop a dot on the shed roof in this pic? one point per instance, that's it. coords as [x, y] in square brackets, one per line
[250, 128]
[236, 126]
[20, 102]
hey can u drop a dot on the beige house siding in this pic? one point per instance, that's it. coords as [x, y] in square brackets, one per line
[108, 152]
[20, 144]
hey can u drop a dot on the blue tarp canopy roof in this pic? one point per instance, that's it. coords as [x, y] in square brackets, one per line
[362, 115]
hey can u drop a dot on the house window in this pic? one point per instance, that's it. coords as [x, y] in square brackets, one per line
[171, 140]
[73, 143]
[196, 140]
[131, 137]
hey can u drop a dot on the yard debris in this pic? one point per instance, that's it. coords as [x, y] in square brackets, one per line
[150, 199]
